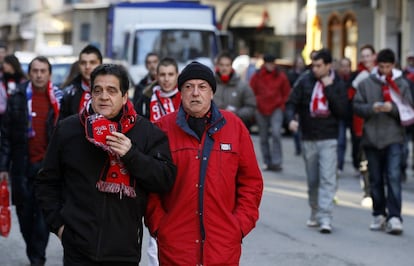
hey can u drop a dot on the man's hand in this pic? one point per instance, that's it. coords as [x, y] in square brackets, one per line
[60, 232]
[231, 108]
[382, 107]
[119, 143]
[293, 125]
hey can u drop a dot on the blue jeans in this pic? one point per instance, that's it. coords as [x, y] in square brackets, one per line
[32, 224]
[272, 153]
[297, 140]
[320, 163]
[384, 167]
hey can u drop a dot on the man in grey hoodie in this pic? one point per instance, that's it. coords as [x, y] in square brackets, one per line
[378, 101]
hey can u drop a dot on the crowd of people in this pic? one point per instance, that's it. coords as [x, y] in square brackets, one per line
[93, 164]
[90, 163]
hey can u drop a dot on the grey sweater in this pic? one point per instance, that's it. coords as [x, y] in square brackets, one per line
[236, 96]
[380, 129]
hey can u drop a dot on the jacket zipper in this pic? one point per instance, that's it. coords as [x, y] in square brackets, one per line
[98, 246]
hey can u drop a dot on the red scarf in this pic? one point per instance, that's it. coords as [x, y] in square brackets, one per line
[163, 103]
[386, 88]
[319, 103]
[114, 177]
[53, 102]
[86, 94]
[361, 67]
[225, 78]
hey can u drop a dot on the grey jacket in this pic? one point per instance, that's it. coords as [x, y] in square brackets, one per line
[236, 96]
[380, 129]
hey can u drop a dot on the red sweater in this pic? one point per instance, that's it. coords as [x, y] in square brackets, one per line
[40, 109]
[271, 89]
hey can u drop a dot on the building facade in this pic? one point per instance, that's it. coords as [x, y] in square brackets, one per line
[65, 26]
[344, 26]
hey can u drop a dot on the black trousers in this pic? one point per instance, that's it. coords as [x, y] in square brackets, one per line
[31, 221]
[73, 258]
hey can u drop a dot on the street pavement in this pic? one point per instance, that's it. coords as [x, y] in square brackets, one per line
[281, 236]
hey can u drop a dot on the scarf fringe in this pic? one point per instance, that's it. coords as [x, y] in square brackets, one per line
[122, 189]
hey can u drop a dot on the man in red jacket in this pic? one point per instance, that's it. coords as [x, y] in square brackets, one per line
[271, 87]
[215, 200]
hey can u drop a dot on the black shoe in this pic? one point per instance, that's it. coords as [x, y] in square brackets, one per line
[37, 264]
[403, 177]
[275, 168]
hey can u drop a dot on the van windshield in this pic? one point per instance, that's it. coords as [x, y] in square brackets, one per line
[182, 45]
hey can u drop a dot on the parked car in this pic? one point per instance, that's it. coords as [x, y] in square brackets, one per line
[60, 65]
[61, 68]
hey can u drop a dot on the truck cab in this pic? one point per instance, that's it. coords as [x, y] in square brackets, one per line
[182, 30]
[183, 44]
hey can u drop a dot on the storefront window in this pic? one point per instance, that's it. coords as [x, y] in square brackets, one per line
[350, 38]
[335, 36]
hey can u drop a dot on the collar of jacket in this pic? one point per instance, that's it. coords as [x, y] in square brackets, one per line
[21, 88]
[217, 121]
[335, 76]
[274, 72]
[232, 81]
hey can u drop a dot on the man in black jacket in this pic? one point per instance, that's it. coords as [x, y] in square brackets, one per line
[151, 62]
[319, 98]
[99, 168]
[33, 109]
[77, 94]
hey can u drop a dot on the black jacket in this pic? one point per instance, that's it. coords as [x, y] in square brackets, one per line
[70, 102]
[14, 148]
[139, 88]
[316, 128]
[142, 106]
[101, 225]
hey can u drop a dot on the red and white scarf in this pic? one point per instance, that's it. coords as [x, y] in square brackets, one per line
[391, 93]
[53, 102]
[163, 103]
[86, 94]
[319, 106]
[114, 177]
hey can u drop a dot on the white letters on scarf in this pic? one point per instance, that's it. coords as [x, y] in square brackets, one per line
[161, 103]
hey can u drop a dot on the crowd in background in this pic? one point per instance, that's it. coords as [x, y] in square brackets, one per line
[321, 105]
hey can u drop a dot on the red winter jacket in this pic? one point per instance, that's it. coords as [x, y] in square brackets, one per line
[215, 198]
[272, 90]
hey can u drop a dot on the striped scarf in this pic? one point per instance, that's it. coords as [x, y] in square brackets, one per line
[53, 101]
[114, 177]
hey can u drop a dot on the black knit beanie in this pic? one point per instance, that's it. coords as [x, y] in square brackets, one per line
[196, 70]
